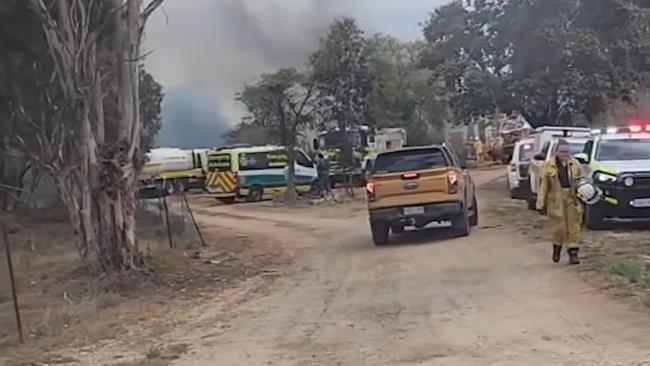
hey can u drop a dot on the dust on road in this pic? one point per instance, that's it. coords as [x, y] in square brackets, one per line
[428, 299]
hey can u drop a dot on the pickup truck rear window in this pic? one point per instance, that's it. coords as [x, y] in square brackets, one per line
[410, 160]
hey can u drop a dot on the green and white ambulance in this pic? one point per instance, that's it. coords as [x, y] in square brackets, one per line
[255, 173]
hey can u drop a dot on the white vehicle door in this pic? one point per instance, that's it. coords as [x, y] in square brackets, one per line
[304, 166]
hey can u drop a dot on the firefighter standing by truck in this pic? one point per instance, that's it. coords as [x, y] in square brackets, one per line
[558, 198]
[323, 169]
[478, 151]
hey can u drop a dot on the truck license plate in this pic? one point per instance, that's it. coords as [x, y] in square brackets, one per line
[641, 202]
[413, 210]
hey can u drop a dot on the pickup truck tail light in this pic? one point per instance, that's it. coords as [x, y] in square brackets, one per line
[453, 182]
[370, 190]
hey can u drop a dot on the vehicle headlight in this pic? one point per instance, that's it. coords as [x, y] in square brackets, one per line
[601, 177]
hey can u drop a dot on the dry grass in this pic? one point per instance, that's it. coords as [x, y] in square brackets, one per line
[63, 305]
[159, 355]
[631, 270]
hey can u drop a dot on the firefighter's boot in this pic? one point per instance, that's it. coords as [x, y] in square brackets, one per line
[573, 256]
[557, 252]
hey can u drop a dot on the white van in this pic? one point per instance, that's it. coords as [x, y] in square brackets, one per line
[543, 135]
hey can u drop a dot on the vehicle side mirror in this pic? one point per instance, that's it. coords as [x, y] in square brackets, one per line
[316, 144]
[582, 158]
[540, 156]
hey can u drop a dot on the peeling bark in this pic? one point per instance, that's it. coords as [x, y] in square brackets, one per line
[103, 158]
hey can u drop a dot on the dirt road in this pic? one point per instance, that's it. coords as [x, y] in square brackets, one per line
[429, 299]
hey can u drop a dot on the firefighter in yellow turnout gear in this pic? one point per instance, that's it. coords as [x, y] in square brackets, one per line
[478, 151]
[557, 197]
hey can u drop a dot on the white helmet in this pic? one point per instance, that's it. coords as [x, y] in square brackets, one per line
[587, 192]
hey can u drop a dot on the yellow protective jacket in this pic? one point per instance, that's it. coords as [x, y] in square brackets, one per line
[550, 197]
[478, 147]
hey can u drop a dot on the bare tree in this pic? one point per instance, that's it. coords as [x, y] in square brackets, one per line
[93, 153]
[281, 103]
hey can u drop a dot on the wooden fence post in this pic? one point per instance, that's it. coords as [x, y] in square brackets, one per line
[169, 229]
[12, 279]
[196, 225]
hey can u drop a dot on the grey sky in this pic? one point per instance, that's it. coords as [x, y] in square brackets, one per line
[212, 47]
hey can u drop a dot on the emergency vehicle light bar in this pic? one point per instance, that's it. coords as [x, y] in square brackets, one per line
[634, 128]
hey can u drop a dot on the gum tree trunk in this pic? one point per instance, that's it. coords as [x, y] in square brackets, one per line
[291, 195]
[103, 155]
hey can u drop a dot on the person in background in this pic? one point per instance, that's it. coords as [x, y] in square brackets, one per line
[557, 198]
[323, 169]
[478, 150]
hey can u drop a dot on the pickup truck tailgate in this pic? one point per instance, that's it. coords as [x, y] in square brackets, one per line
[411, 188]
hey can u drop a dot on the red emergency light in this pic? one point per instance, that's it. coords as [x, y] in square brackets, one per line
[639, 125]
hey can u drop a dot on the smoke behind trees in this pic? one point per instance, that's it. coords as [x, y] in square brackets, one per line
[211, 48]
[194, 121]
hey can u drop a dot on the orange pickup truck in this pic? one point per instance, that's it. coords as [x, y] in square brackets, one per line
[414, 187]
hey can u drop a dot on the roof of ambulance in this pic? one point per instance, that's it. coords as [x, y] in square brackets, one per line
[247, 149]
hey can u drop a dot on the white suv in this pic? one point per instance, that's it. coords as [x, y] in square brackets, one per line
[518, 168]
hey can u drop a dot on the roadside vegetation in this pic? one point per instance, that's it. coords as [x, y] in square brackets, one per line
[617, 260]
[64, 304]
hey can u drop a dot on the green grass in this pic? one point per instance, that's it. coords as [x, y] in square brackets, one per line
[154, 353]
[631, 270]
[159, 356]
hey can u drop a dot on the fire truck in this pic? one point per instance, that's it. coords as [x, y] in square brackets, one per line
[167, 169]
[351, 151]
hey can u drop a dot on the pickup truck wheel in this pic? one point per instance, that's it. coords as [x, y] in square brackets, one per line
[379, 233]
[473, 220]
[461, 223]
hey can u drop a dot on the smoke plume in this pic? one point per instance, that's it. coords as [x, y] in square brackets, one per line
[211, 48]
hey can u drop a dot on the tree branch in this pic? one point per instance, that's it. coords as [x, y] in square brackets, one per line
[149, 9]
